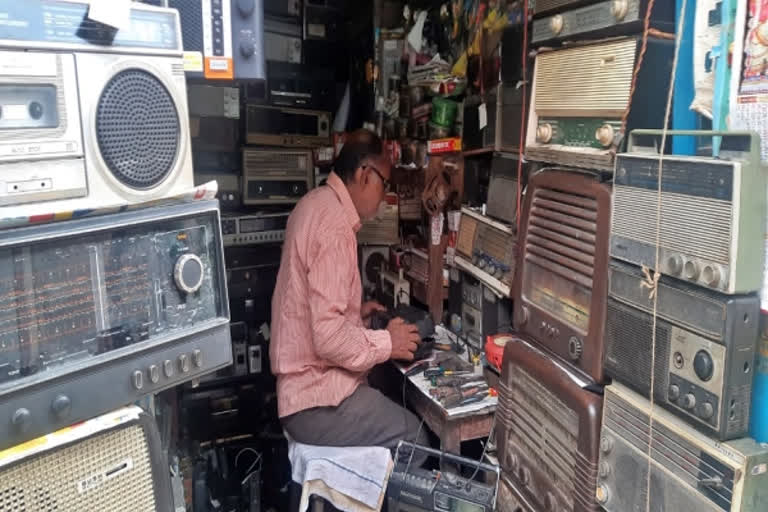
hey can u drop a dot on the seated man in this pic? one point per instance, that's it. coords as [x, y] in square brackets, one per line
[321, 350]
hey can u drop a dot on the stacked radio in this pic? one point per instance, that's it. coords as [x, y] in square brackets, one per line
[682, 327]
[600, 70]
[112, 262]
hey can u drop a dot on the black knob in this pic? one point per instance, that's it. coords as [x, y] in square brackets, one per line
[703, 365]
[21, 419]
[673, 393]
[35, 110]
[61, 406]
[575, 348]
[247, 49]
[246, 7]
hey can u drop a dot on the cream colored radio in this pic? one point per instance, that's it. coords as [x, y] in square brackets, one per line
[582, 94]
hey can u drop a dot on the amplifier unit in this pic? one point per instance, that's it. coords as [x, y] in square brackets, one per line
[548, 431]
[483, 313]
[509, 119]
[90, 124]
[538, 7]
[503, 189]
[486, 249]
[276, 176]
[301, 85]
[282, 41]
[561, 289]
[688, 471]
[581, 93]
[206, 27]
[248, 39]
[133, 302]
[278, 126]
[705, 348]
[413, 489]
[712, 211]
[111, 462]
[602, 19]
[213, 101]
[228, 193]
[322, 23]
[260, 228]
[384, 228]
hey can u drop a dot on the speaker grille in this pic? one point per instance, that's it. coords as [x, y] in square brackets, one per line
[138, 129]
[109, 471]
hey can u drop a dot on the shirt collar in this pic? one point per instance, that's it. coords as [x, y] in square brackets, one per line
[338, 186]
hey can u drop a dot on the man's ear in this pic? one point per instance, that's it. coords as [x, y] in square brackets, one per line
[360, 177]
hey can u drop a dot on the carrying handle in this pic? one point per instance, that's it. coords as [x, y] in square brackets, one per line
[462, 461]
[754, 138]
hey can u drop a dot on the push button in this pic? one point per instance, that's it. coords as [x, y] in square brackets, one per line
[138, 380]
[168, 368]
[197, 357]
[183, 363]
[154, 374]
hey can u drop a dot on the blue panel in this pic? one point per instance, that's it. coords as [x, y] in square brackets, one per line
[683, 118]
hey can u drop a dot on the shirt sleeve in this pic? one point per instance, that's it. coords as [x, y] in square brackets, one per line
[335, 338]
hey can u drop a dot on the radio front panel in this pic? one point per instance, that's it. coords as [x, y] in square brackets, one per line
[688, 471]
[83, 302]
[560, 294]
[705, 349]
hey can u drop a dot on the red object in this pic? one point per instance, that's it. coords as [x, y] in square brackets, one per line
[449, 145]
[494, 348]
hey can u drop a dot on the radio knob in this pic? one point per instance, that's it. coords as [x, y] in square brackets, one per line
[606, 444]
[247, 48]
[168, 368]
[691, 270]
[689, 401]
[138, 379]
[602, 494]
[524, 475]
[550, 502]
[154, 373]
[673, 393]
[21, 419]
[556, 24]
[703, 365]
[188, 273]
[706, 411]
[61, 406]
[605, 135]
[246, 7]
[575, 348]
[183, 363]
[197, 357]
[711, 275]
[544, 133]
[674, 264]
[619, 9]
[604, 470]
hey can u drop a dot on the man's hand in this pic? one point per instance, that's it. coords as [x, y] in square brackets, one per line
[367, 309]
[405, 339]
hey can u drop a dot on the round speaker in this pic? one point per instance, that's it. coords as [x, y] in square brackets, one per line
[137, 128]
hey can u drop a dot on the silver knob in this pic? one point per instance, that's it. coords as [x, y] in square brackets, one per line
[691, 270]
[601, 494]
[711, 275]
[22, 419]
[197, 357]
[556, 24]
[605, 135]
[619, 9]
[138, 379]
[188, 273]
[154, 374]
[544, 133]
[183, 363]
[168, 368]
[674, 264]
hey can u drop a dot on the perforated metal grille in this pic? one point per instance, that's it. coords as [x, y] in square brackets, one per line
[109, 471]
[138, 129]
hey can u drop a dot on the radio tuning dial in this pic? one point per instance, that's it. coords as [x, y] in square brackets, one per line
[556, 24]
[674, 264]
[711, 275]
[544, 133]
[21, 419]
[575, 348]
[605, 135]
[689, 401]
[691, 270]
[601, 494]
[188, 273]
[673, 393]
[703, 365]
[707, 410]
[619, 9]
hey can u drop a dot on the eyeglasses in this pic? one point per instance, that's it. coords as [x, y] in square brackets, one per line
[384, 181]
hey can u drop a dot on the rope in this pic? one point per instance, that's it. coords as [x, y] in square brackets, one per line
[643, 47]
[521, 144]
[652, 282]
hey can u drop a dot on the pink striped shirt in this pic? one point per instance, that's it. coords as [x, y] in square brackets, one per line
[320, 351]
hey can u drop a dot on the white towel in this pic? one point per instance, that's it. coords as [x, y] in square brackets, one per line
[359, 473]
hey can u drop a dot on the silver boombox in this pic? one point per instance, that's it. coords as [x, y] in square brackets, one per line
[90, 117]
